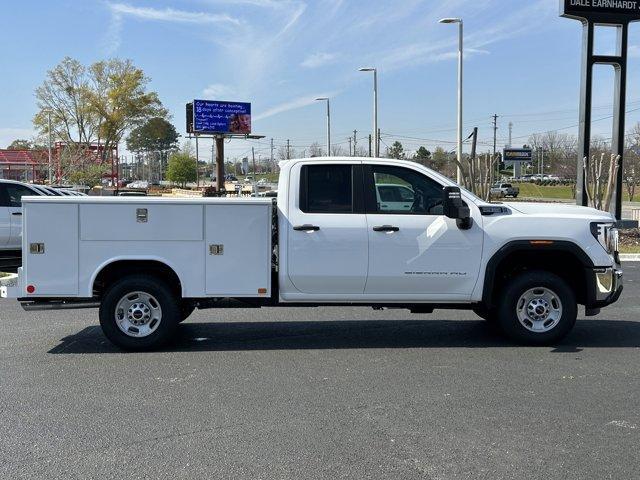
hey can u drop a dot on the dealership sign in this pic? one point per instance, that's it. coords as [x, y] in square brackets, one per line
[214, 117]
[517, 155]
[601, 10]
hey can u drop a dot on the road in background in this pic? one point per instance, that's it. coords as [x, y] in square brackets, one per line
[320, 393]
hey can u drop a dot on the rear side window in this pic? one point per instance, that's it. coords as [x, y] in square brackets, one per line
[326, 189]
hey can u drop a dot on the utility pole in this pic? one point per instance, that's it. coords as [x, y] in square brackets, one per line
[253, 157]
[255, 185]
[355, 141]
[271, 164]
[369, 145]
[495, 139]
[350, 147]
[474, 143]
[510, 133]
[288, 154]
[495, 133]
[377, 141]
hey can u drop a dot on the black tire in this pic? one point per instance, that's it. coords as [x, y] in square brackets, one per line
[161, 293]
[563, 295]
[186, 309]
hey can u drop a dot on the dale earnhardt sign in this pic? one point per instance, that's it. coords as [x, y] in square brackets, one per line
[611, 11]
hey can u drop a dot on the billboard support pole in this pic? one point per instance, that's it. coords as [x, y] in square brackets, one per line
[219, 163]
[197, 165]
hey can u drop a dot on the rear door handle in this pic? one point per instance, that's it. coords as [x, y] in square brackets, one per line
[386, 228]
[306, 228]
[16, 213]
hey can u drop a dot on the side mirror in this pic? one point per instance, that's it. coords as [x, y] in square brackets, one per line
[454, 207]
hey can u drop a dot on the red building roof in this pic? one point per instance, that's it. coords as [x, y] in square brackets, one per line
[23, 157]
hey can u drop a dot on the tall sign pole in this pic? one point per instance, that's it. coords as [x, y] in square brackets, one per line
[616, 14]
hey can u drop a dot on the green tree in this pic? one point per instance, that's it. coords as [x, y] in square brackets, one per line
[181, 168]
[422, 155]
[99, 103]
[396, 151]
[89, 175]
[155, 135]
[21, 144]
[439, 159]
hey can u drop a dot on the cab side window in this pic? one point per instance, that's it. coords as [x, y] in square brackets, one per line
[398, 190]
[14, 194]
[326, 189]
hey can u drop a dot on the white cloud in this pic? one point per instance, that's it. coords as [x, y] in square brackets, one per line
[292, 105]
[171, 15]
[217, 91]
[319, 59]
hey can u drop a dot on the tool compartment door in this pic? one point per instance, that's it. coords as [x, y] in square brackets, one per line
[54, 271]
[238, 256]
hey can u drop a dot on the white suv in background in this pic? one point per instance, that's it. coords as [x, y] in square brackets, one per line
[11, 193]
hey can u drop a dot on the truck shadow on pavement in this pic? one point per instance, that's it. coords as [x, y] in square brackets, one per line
[361, 334]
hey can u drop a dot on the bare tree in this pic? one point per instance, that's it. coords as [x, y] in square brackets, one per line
[315, 150]
[600, 182]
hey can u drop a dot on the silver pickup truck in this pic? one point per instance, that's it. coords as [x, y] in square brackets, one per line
[504, 190]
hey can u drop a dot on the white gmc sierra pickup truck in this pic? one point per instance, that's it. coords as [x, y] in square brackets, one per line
[337, 235]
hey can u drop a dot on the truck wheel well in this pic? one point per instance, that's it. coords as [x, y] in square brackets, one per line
[121, 268]
[566, 264]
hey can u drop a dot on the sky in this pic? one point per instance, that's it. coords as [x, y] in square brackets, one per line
[522, 62]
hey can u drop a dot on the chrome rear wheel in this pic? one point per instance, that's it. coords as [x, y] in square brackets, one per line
[138, 314]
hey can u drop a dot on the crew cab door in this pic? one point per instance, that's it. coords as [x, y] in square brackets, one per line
[327, 240]
[5, 217]
[414, 249]
[12, 202]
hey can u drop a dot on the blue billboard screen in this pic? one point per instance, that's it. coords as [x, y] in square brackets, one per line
[221, 117]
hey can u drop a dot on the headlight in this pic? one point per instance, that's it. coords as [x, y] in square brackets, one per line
[607, 235]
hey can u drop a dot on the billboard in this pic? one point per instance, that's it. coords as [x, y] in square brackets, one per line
[209, 116]
[517, 155]
[601, 10]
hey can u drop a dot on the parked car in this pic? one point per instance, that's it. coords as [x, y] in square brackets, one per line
[504, 190]
[394, 197]
[139, 184]
[147, 263]
[11, 193]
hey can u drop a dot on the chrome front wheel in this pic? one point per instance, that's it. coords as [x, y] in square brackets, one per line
[539, 310]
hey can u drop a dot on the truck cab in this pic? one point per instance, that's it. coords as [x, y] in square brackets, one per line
[343, 231]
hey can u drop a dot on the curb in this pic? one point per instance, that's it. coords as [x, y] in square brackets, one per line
[9, 281]
[630, 257]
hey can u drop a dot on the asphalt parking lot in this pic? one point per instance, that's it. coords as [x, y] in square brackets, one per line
[320, 393]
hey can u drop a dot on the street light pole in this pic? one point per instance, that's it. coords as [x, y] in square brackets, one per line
[460, 84]
[328, 124]
[376, 140]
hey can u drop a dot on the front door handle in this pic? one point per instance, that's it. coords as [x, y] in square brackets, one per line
[386, 228]
[306, 228]
[16, 213]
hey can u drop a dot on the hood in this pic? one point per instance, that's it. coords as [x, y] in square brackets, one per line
[561, 210]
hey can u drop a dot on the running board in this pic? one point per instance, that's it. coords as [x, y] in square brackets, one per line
[31, 306]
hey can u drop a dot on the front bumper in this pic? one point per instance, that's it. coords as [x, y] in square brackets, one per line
[605, 287]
